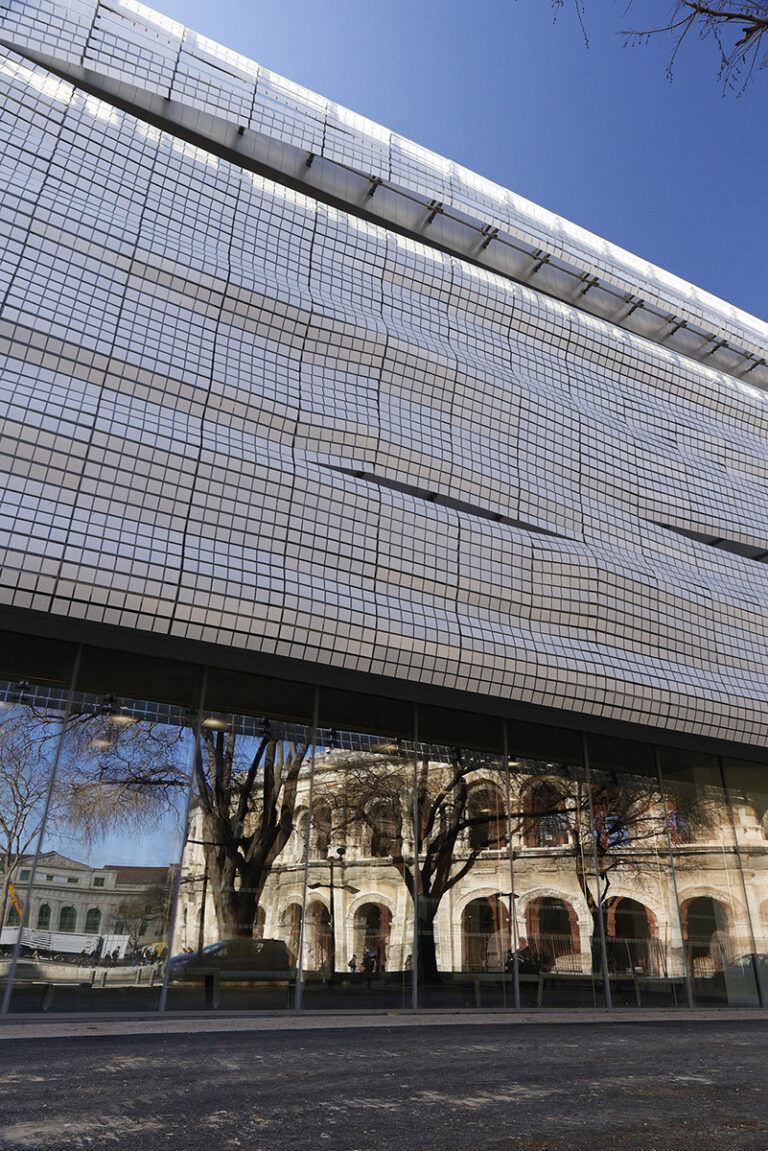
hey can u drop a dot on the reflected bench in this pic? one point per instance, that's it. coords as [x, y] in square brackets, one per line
[638, 981]
[212, 977]
[499, 978]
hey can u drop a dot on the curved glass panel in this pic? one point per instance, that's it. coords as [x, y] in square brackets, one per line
[238, 923]
[557, 891]
[712, 899]
[747, 790]
[31, 726]
[632, 821]
[108, 862]
[463, 877]
[358, 938]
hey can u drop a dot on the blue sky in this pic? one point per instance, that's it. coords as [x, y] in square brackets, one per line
[674, 172]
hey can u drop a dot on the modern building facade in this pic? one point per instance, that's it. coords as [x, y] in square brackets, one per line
[383, 556]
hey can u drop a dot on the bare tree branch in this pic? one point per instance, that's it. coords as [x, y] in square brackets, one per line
[736, 28]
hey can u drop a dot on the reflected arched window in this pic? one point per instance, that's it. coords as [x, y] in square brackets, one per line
[553, 933]
[680, 826]
[609, 807]
[487, 818]
[383, 820]
[44, 917]
[687, 819]
[321, 829]
[290, 928]
[317, 936]
[629, 937]
[92, 920]
[486, 934]
[12, 919]
[300, 829]
[706, 928]
[67, 919]
[546, 823]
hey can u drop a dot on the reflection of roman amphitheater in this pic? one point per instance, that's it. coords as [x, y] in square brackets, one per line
[656, 916]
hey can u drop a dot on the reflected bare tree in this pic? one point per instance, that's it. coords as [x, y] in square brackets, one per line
[143, 913]
[433, 842]
[247, 816]
[615, 824]
[27, 742]
[125, 772]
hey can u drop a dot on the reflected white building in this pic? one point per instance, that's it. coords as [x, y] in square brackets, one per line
[73, 898]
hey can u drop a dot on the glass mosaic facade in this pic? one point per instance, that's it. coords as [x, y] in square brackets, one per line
[382, 602]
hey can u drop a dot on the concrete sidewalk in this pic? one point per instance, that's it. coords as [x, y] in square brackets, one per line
[59, 1027]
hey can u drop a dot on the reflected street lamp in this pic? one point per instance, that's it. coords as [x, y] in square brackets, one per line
[340, 853]
[509, 896]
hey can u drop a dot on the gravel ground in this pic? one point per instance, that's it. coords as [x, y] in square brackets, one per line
[458, 1086]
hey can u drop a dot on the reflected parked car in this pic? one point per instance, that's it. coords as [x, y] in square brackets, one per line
[236, 958]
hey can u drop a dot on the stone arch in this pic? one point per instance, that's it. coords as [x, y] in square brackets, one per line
[372, 931]
[625, 910]
[351, 934]
[707, 921]
[369, 897]
[737, 912]
[574, 898]
[631, 931]
[486, 932]
[317, 935]
[557, 935]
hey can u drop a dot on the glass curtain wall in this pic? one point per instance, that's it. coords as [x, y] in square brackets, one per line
[558, 957]
[100, 907]
[641, 922]
[235, 850]
[237, 935]
[358, 927]
[747, 791]
[32, 725]
[462, 878]
[715, 921]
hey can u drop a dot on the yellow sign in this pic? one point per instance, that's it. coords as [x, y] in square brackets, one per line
[14, 899]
